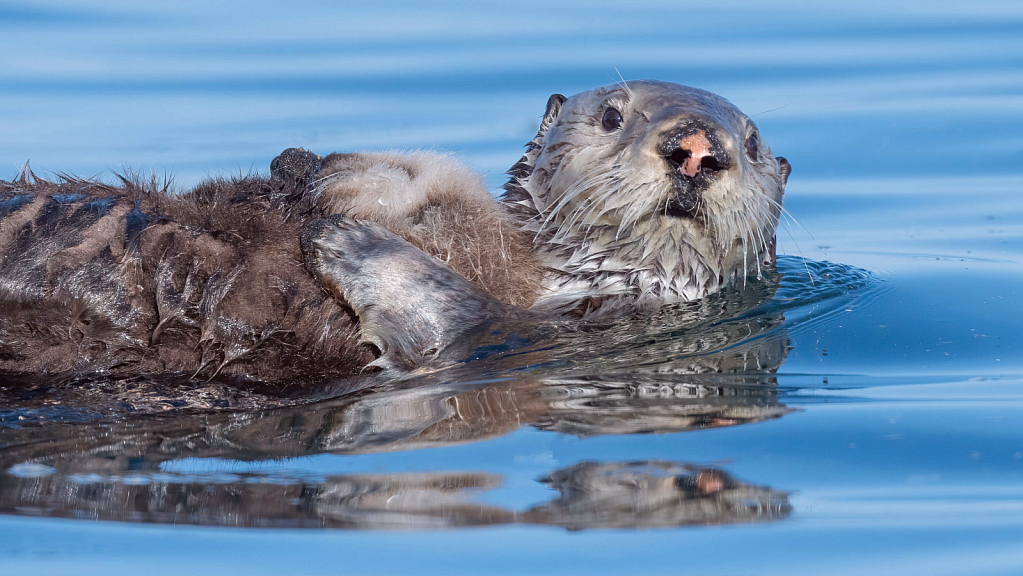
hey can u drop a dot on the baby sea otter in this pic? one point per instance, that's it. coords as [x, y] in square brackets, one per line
[628, 198]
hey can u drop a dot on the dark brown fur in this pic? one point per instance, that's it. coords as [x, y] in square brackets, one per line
[135, 279]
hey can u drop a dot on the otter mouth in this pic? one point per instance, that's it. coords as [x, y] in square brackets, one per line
[688, 193]
[679, 207]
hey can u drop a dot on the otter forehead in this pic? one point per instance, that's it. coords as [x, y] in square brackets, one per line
[657, 102]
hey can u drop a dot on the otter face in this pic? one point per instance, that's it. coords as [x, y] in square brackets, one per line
[649, 189]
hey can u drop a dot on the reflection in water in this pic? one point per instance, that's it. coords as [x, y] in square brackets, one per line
[592, 495]
[118, 470]
[420, 417]
[707, 364]
[653, 494]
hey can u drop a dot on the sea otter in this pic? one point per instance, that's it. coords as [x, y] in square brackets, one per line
[630, 196]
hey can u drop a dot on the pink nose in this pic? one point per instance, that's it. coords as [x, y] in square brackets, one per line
[698, 147]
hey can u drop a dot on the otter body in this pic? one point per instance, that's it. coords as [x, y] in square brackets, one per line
[629, 197]
[133, 279]
[213, 281]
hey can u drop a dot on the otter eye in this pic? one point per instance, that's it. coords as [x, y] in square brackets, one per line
[752, 146]
[612, 119]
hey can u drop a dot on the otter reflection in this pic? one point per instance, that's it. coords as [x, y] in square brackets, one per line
[122, 470]
[409, 419]
[708, 364]
[653, 494]
[731, 382]
[591, 495]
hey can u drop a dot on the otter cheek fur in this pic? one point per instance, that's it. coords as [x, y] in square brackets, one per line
[646, 193]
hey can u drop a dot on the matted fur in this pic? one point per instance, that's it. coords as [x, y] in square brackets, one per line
[135, 279]
[596, 220]
[440, 207]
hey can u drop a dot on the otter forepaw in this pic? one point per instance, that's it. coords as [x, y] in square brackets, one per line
[411, 306]
[296, 165]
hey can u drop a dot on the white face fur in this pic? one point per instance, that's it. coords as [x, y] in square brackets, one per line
[650, 191]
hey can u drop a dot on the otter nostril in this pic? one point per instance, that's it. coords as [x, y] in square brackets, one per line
[711, 164]
[679, 157]
[690, 164]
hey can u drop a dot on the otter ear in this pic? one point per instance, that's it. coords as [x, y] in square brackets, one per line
[553, 108]
[784, 168]
[524, 167]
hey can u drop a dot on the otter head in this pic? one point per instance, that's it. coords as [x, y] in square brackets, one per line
[647, 189]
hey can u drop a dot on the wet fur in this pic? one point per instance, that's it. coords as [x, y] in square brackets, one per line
[136, 279]
[226, 281]
[440, 207]
[596, 201]
[133, 278]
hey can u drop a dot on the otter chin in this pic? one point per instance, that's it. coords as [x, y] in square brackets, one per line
[629, 197]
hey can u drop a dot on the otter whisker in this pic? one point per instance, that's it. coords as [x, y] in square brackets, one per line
[789, 215]
[623, 83]
[753, 238]
[744, 268]
[791, 236]
[583, 211]
[752, 212]
[601, 201]
[757, 248]
[578, 187]
[587, 212]
[606, 210]
[800, 252]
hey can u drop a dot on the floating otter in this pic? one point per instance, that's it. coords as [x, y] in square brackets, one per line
[629, 197]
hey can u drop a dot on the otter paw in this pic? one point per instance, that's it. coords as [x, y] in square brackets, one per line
[339, 249]
[296, 165]
[411, 306]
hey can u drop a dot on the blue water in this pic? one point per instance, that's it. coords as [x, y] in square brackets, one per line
[889, 441]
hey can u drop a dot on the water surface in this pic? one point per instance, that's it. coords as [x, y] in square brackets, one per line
[860, 410]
